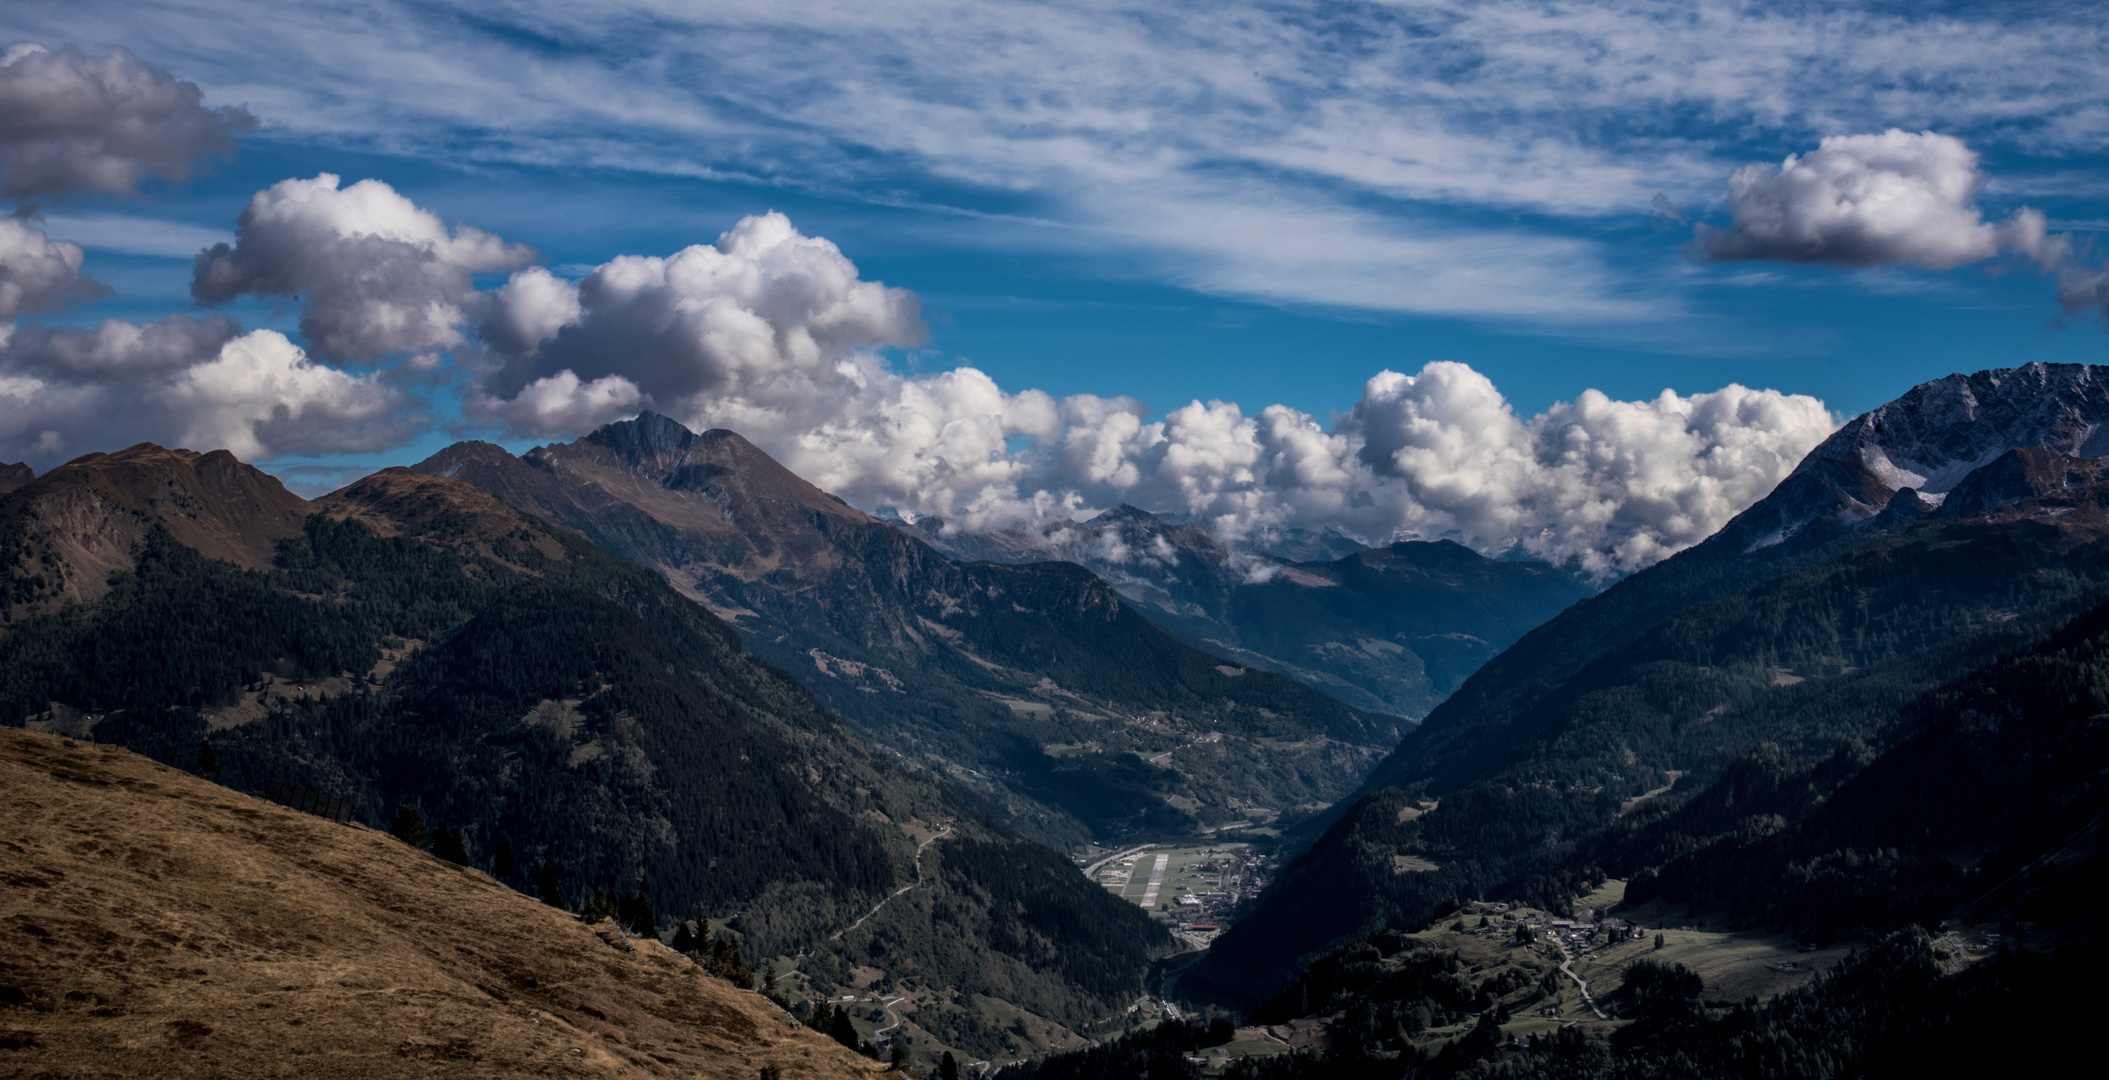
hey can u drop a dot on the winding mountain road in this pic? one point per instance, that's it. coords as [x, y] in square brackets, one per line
[939, 835]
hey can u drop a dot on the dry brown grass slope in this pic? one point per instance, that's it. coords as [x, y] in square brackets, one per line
[154, 924]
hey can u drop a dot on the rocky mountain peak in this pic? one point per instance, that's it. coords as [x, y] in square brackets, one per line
[1125, 512]
[14, 476]
[650, 443]
[719, 465]
[1940, 431]
[1929, 440]
[85, 518]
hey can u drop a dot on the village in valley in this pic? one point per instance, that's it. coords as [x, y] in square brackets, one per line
[1195, 889]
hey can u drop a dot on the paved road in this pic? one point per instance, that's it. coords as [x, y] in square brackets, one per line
[888, 1006]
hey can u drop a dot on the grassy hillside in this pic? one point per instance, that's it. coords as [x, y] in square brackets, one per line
[155, 924]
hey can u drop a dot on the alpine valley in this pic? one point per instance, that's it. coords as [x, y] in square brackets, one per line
[1032, 688]
[1783, 804]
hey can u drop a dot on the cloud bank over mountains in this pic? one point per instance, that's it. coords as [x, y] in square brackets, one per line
[777, 335]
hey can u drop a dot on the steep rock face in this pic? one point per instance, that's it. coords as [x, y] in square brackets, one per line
[1031, 685]
[1392, 629]
[1929, 440]
[2028, 481]
[62, 534]
[14, 476]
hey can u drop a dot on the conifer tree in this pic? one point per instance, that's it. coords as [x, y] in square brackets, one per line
[635, 912]
[502, 864]
[409, 827]
[552, 894]
[208, 764]
[602, 906]
[447, 843]
[841, 1029]
[948, 1067]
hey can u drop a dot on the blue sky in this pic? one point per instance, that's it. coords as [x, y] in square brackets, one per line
[1260, 204]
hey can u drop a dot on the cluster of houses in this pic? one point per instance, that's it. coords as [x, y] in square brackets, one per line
[1582, 932]
[1198, 913]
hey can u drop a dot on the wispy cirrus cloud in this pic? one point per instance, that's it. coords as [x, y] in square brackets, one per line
[1419, 135]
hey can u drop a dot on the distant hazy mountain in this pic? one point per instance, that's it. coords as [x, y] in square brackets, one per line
[1810, 619]
[1033, 686]
[1392, 629]
[412, 641]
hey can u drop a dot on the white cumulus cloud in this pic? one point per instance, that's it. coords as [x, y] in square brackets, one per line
[71, 122]
[1896, 198]
[378, 274]
[197, 383]
[38, 274]
[560, 405]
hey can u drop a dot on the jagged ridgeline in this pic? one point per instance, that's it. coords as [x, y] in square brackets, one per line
[1033, 687]
[1920, 541]
[410, 641]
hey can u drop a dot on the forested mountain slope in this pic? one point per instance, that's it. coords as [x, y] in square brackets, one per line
[1032, 686]
[1392, 629]
[419, 643]
[1815, 635]
[1961, 845]
[1981, 793]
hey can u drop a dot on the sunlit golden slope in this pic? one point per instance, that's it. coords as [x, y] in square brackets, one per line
[154, 924]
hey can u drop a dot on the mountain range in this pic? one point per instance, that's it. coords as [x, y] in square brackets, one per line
[1393, 629]
[563, 715]
[654, 668]
[1033, 687]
